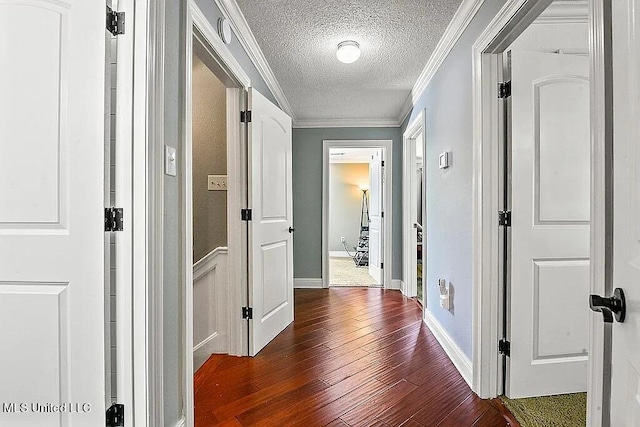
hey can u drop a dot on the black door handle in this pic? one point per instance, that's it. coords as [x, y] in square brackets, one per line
[291, 229]
[611, 306]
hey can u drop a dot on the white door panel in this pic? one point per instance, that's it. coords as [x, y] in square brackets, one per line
[375, 217]
[271, 243]
[550, 224]
[625, 385]
[51, 211]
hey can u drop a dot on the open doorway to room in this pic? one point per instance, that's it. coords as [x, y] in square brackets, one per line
[356, 225]
[543, 234]
[353, 200]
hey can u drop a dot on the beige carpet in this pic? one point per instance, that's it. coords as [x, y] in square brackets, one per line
[344, 272]
[565, 410]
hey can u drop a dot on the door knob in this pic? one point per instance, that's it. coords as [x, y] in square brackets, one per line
[611, 306]
[291, 229]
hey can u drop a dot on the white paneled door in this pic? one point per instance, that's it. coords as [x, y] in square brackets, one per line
[550, 178]
[271, 226]
[375, 216]
[52, 115]
[625, 366]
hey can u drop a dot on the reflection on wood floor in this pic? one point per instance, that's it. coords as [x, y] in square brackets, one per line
[353, 357]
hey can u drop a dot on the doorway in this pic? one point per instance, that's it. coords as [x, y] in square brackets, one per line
[414, 208]
[356, 238]
[354, 204]
[532, 74]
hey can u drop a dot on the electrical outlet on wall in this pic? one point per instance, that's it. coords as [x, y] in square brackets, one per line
[342, 239]
[217, 182]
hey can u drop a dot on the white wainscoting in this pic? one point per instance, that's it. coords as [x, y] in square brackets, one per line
[210, 306]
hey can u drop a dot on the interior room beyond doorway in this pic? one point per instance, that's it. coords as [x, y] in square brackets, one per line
[354, 200]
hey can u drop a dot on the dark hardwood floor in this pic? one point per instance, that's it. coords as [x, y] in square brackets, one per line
[353, 357]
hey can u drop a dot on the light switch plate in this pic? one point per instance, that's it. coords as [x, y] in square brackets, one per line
[170, 161]
[217, 182]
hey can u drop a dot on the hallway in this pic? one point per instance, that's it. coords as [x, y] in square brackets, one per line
[353, 356]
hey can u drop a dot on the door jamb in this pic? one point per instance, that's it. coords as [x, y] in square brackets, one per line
[408, 192]
[510, 21]
[197, 25]
[327, 144]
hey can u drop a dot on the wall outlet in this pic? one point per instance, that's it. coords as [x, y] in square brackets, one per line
[342, 239]
[445, 297]
[217, 182]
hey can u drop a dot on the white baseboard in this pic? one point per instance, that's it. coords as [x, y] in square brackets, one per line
[457, 356]
[181, 422]
[403, 287]
[307, 283]
[206, 348]
[339, 254]
[395, 284]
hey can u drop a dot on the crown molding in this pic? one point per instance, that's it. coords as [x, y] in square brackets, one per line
[463, 16]
[346, 123]
[232, 12]
[565, 12]
[406, 109]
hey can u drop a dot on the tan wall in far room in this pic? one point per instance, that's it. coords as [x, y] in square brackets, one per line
[345, 204]
[209, 158]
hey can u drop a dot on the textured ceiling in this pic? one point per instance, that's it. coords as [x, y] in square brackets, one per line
[299, 40]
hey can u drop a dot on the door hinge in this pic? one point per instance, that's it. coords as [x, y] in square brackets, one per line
[245, 214]
[504, 347]
[115, 22]
[115, 415]
[504, 218]
[382, 265]
[382, 163]
[245, 116]
[113, 219]
[504, 90]
[382, 214]
[247, 312]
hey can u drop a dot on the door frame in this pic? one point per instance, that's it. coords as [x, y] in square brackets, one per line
[387, 202]
[514, 17]
[199, 27]
[419, 125]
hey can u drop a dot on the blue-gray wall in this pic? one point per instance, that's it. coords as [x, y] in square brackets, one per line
[307, 194]
[447, 102]
[174, 35]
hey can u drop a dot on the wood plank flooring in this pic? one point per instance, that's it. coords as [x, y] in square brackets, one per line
[353, 357]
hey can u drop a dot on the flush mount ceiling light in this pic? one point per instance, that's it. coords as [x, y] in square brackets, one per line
[348, 51]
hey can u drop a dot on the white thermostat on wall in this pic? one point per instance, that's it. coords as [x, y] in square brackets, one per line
[443, 160]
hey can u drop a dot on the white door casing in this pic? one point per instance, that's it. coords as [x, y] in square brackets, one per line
[376, 206]
[625, 366]
[270, 241]
[550, 169]
[51, 210]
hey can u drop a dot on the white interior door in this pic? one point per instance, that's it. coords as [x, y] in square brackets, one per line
[550, 175]
[625, 366]
[51, 212]
[375, 216]
[270, 237]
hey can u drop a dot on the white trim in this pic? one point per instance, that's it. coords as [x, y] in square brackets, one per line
[299, 283]
[388, 202]
[463, 16]
[232, 12]
[200, 21]
[409, 156]
[339, 254]
[456, 355]
[181, 422]
[396, 284]
[511, 20]
[565, 12]
[346, 123]
[208, 262]
[205, 341]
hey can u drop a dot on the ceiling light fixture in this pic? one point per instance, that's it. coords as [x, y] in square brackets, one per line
[348, 51]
